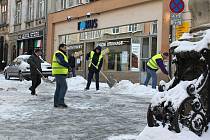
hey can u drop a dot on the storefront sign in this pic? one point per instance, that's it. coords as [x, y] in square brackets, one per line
[135, 57]
[118, 43]
[90, 35]
[88, 24]
[73, 47]
[30, 35]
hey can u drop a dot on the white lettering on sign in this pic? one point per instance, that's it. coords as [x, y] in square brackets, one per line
[90, 35]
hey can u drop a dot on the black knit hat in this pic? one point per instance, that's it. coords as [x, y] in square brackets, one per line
[98, 48]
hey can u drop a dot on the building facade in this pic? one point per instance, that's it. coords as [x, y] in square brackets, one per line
[4, 32]
[132, 30]
[27, 28]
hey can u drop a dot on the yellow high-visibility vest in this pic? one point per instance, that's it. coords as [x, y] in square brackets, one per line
[56, 67]
[91, 58]
[152, 62]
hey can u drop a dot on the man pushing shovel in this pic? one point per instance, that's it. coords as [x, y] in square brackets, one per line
[35, 67]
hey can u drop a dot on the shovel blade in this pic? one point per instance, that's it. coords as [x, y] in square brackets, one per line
[111, 82]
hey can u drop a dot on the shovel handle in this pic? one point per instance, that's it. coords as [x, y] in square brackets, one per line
[169, 77]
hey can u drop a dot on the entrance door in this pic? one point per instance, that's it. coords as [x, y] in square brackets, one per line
[148, 49]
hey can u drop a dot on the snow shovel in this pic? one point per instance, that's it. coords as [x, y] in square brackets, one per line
[110, 81]
[44, 78]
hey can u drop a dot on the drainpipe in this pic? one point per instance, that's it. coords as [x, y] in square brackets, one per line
[45, 28]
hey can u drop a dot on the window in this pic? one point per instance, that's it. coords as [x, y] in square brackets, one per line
[41, 8]
[69, 3]
[115, 30]
[18, 12]
[154, 28]
[3, 11]
[30, 9]
[118, 58]
[79, 2]
[132, 27]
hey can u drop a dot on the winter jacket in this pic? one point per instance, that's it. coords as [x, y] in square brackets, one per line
[72, 61]
[35, 63]
[95, 60]
[155, 62]
[60, 63]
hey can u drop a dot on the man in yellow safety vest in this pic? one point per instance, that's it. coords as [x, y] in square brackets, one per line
[153, 65]
[95, 63]
[60, 67]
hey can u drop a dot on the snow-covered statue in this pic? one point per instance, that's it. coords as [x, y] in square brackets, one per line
[183, 101]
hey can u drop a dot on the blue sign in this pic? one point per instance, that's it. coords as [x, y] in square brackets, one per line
[88, 24]
[176, 6]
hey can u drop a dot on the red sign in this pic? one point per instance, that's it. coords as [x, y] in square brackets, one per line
[176, 6]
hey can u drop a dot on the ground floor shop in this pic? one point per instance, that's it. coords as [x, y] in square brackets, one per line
[128, 50]
[129, 30]
[25, 42]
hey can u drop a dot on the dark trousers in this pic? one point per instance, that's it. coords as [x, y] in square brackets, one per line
[90, 77]
[36, 81]
[61, 88]
[151, 73]
[73, 72]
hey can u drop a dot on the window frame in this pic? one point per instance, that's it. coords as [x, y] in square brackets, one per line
[18, 12]
[116, 30]
[4, 10]
[41, 8]
[30, 15]
[132, 27]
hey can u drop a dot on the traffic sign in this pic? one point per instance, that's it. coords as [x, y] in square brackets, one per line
[184, 28]
[176, 19]
[176, 6]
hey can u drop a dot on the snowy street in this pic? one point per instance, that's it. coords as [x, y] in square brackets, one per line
[91, 115]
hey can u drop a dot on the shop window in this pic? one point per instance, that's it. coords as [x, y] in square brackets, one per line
[30, 10]
[18, 12]
[132, 27]
[118, 59]
[3, 11]
[115, 30]
[154, 46]
[154, 27]
[78, 52]
[69, 3]
[41, 9]
[145, 53]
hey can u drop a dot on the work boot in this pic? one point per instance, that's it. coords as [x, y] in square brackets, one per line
[86, 89]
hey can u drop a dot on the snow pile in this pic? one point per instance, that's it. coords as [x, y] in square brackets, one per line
[127, 87]
[123, 87]
[160, 133]
[185, 45]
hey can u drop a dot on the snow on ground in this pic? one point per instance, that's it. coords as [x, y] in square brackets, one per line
[91, 115]
[21, 113]
[160, 133]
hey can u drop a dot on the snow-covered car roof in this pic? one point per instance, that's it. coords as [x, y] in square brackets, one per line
[192, 41]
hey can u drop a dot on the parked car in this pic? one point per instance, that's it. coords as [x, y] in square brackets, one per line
[21, 69]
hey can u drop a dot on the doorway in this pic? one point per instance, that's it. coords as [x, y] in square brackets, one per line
[148, 49]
